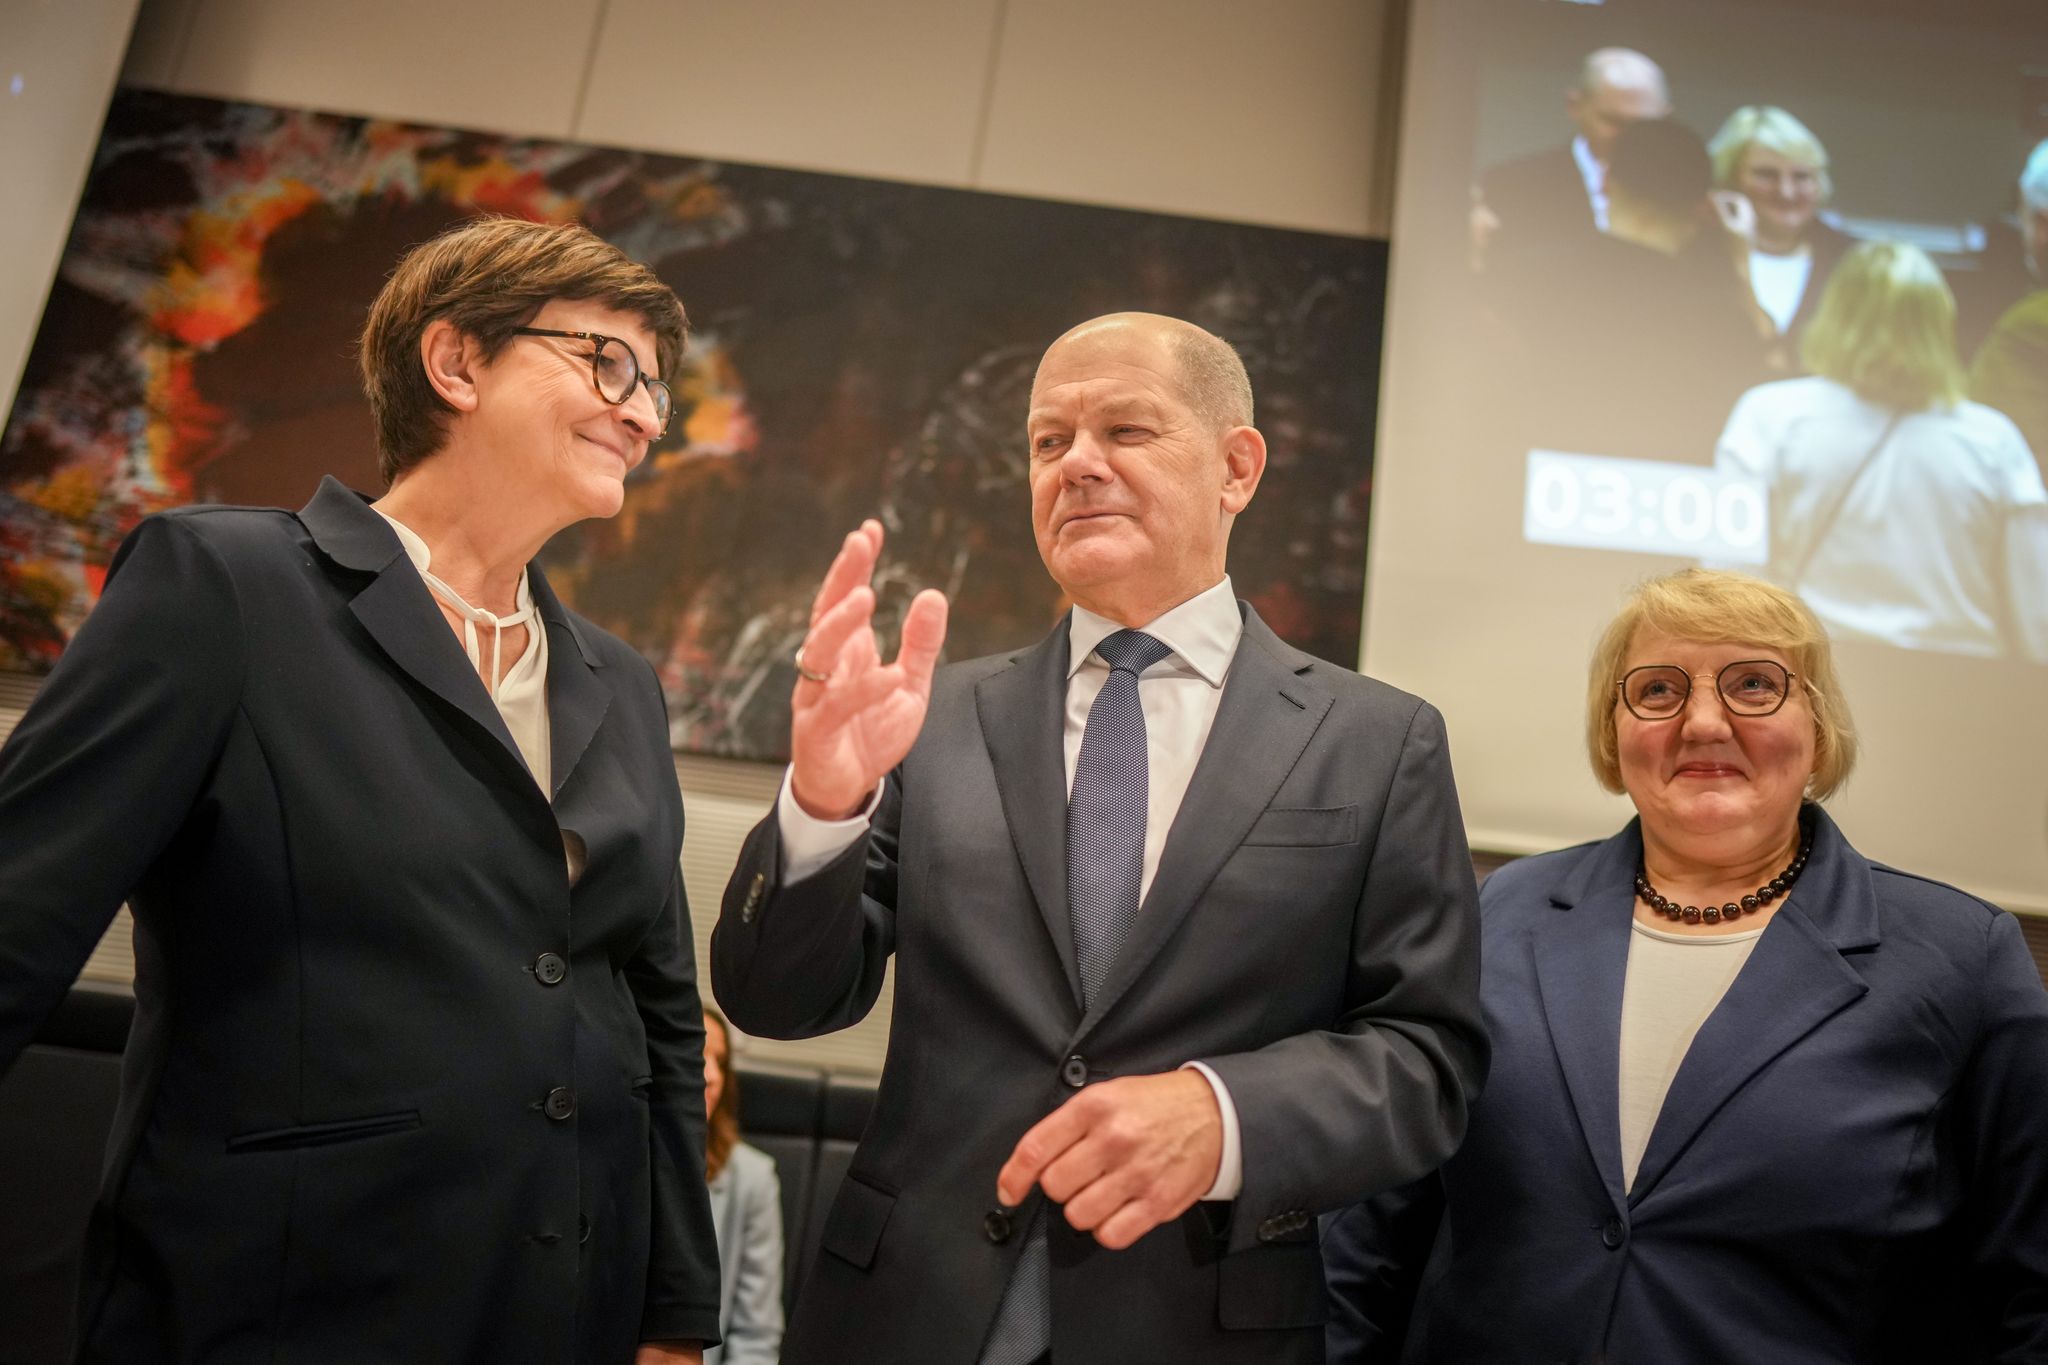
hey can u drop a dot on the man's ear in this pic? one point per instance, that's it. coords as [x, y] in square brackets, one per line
[1244, 464]
[450, 359]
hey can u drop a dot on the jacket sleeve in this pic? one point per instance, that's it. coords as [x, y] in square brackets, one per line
[109, 760]
[1373, 1259]
[2001, 1112]
[1380, 1099]
[797, 959]
[682, 1260]
[754, 1332]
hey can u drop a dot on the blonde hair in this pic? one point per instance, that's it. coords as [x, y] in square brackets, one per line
[722, 1125]
[1886, 328]
[1714, 606]
[1774, 130]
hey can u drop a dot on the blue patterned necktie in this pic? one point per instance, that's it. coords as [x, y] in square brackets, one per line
[1105, 869]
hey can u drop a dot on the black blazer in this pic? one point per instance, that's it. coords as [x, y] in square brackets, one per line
[1310, 933]
[1851, 1164]
[395, 1091]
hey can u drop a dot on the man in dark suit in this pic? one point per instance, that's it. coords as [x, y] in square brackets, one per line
[1525, 206]
[1183, 919]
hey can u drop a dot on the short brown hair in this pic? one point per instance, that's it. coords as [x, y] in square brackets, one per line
[489, 276]
[1713, 606]
[722, 1130]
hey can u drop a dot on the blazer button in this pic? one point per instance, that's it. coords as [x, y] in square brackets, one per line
[753, 901]
[560, 1103]
[1612, 1234]
[1075, 1071]
[549, 969]
[997, 1225]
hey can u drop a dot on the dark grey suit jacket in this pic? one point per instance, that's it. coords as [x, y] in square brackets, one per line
[1311, 933]
[363, 1118]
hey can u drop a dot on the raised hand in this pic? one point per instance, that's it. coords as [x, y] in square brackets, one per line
[853, 718]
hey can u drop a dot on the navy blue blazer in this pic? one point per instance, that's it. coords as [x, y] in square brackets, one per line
[1851, 1165]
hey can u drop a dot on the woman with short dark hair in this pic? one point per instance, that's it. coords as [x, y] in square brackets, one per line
[415, 1070]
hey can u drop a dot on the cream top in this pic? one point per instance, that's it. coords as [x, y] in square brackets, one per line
[521, 690]
[1674, 982]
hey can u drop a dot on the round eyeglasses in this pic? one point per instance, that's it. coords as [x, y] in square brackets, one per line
[615, 370]
[1748, 687]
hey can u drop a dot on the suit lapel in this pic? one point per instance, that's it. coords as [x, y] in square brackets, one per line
[399, 613]
[1023, 718]
[1795, 979]
[1581, 961]
[577, 698]
[1264, 720]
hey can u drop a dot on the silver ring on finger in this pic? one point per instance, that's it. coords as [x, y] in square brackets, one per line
[806, 674]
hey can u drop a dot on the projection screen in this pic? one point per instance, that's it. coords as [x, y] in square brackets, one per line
[1688, 351]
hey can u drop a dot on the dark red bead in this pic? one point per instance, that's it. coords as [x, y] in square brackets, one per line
[1750, 903]
[1712, 914]
[1731, 911]
[1692, 914]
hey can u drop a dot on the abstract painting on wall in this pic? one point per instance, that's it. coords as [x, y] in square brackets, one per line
[859, 348]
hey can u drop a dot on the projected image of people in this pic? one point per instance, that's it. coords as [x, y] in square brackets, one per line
[1765, 315]
[1900, 511]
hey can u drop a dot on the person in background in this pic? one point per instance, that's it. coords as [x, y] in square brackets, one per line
[746, 1206]
[1756, 1097]
[1637, 341]
[1900, 510]
[415, 1072]
[2010, 372]
[1776, 163]
[2014, 261]
[1529, 205]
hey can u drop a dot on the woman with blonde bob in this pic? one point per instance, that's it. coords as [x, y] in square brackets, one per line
[1899, 510]
[1776, 163]
[1755, 1097]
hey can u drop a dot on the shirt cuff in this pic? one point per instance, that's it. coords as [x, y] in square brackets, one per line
[1230, 1168]
[810, 845]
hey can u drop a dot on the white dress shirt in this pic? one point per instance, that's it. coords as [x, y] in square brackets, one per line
[1595, 177]
[1179, 695]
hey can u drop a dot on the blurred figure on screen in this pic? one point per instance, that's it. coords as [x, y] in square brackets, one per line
[1776, 163]
[2011, 371]
[1756, 1098]
[1901, 511]
[1536, 201]
[2014, 261]
[1635, 342]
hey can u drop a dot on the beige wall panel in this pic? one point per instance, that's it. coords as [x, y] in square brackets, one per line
[891, 88]
[161, 28]
[1258, 112]
[513, 66]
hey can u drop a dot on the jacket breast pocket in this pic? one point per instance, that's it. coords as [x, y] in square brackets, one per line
[1270, 1288]
[1305, 826]
[853, 1229]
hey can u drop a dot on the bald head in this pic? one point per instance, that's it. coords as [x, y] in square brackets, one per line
[1623, 69]
[1210, 375]
[1617, 86]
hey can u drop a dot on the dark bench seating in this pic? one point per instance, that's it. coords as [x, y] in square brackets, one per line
[57, 1105]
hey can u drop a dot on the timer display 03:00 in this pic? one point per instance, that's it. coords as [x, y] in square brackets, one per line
[1603, 503]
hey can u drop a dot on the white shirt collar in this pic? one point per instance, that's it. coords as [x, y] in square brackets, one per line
[423, 558]
[1202, 632]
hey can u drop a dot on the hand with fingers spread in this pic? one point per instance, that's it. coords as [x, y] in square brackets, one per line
[853, 718]
[1123, 1156]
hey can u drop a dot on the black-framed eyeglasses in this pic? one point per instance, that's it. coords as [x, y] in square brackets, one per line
[1747, 687]
[615, 370]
